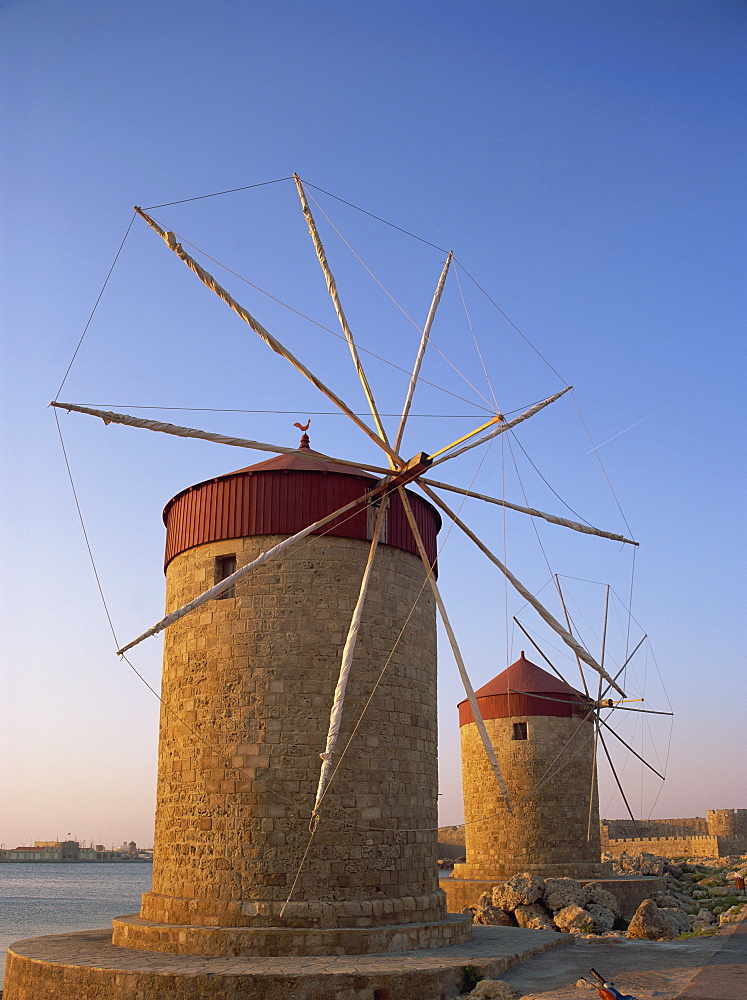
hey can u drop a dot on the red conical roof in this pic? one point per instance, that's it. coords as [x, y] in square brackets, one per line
[524, 689]
[285, 494]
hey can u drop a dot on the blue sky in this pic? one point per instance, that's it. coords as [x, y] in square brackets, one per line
[584, 161]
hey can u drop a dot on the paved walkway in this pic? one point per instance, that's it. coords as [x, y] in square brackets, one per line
[699, 968]
[725, 976]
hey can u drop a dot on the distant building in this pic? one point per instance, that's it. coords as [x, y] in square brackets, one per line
[69, 851]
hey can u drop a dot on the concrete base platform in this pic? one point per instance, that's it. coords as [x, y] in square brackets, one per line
[629, 892]
[87, 966]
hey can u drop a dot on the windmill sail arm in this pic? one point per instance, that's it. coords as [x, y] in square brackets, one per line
[210, 282]
[421, 351]
[229, 581]
[470, 691]
[335, 718]
[507, 426]
[533, 512]
[542, 611]
[112, 417]
[334, 295]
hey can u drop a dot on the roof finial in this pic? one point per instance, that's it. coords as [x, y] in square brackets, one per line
[304, 437]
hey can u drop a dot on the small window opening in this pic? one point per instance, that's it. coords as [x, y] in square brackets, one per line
[382, 995]
[225, 566]
[520, 731]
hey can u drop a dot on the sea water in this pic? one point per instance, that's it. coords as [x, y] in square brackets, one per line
[37, 899]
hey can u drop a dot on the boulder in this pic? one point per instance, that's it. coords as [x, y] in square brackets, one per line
[665, 899]
[493, 989]
[730, 917]
[703, 920]
[574, 920]
[534, 917]
[639, 864]
[679, 919]
[494, 916]
[602, 917]
[561, 892]
[520, 890]
[595, 893]
[651, 923]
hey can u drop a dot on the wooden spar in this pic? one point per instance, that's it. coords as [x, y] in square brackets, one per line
[335, 716]
[552, 518]
[421, 351]
[209, 281]
[476, 713]
[629, 747]
[566, 636]
[550, 664]
[568, 626]
[499, 419]
[229, 581]
[332, 289]
[506, 426]
[617, 780]
[627, 661]
[111, 417]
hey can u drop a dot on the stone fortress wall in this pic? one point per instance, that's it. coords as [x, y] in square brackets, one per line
[722, 832]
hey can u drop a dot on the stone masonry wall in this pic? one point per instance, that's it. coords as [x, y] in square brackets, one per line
[547, 830]
[721, 833]
[665, 847]
[617, 829]
[250, 681]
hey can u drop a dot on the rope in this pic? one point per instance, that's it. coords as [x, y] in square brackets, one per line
[95, 306]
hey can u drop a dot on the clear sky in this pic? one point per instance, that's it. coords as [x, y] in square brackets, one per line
[584, 160]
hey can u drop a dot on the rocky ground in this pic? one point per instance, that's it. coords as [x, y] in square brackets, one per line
[656, 954]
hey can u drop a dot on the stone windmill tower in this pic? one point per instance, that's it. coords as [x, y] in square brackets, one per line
[247, 685]
[543, 734]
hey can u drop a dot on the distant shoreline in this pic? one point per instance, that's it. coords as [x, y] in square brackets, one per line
[76, 861]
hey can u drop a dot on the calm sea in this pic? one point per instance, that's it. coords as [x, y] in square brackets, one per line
[41, 899]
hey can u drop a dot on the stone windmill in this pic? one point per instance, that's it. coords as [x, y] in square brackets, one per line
[302, 601]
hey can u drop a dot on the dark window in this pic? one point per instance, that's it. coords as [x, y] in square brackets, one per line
[225, 566]
[520, 731]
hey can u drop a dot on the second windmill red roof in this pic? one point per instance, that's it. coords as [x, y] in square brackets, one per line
[524, 689]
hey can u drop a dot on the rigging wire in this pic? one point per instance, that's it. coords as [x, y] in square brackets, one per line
[335, 333]
[396, 303]
[510, 321]
[95, 306]
[372, 216]
[215, 194]
[553, 491]
[310, 413]
[85, 533]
